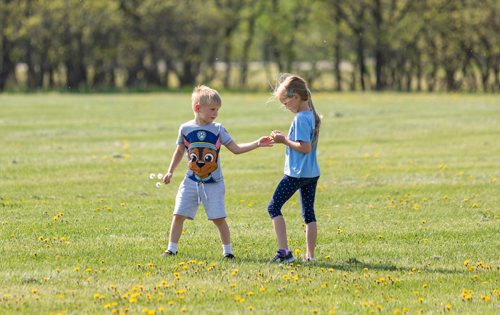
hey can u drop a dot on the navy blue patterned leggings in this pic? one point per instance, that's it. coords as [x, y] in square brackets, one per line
[285, 190]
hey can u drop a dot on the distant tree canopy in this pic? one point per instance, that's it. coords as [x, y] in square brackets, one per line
[403, 45]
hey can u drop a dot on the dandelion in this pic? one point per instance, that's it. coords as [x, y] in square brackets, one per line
[159, 176]
[286, 277]
[467, 294]
[485, 298]
[239, 299]
[249, 293]
[262, 289]
[250, 308]
[152, 176]
[447, 307]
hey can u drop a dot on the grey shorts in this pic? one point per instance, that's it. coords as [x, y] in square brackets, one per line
[191, 193]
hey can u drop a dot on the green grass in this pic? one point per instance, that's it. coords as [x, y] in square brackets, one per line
[407, 207]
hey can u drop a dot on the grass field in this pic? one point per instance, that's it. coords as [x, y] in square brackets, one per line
[407, 207]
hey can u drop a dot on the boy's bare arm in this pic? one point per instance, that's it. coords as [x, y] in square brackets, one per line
[176, 159]
[236, 148]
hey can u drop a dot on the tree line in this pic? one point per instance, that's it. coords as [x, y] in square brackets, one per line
[402, 45]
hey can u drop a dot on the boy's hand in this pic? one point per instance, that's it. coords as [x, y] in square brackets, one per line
[265, 141]
[167, 178]
[278, 136]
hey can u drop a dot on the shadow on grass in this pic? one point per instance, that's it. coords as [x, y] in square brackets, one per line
[355, 265]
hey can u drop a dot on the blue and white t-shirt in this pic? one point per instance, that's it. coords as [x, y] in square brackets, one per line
[202, 144]
[298, 164]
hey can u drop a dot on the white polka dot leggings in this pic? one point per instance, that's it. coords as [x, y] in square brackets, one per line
[285, 190]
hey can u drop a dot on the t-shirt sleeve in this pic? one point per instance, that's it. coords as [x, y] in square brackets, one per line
[180, 141]
[225, 138]
[302, 129]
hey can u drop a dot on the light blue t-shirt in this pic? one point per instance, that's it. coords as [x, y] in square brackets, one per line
[298, 164]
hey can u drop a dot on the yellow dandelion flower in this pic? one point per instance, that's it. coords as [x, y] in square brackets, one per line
[262, 289]
[406, 310]
[250, 308]
[286, 277]
[397, 311]
[170, 302]
[34, 291]
[485, 298]
[447, 307]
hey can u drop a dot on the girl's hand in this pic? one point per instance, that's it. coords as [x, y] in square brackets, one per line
[167, 178]
[266, 141]
[278, 136]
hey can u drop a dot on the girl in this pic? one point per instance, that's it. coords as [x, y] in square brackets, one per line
[301, 166]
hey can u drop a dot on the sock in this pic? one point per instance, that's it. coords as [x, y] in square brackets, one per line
[172, 247]
[226, 249]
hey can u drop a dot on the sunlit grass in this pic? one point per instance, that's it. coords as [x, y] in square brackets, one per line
[407, 208]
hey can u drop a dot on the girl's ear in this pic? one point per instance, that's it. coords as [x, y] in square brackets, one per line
[196, 107]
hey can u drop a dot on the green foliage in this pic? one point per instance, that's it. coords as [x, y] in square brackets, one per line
[380, 44]
[407, 208]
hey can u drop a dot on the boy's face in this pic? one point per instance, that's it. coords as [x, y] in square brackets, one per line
[206, 114]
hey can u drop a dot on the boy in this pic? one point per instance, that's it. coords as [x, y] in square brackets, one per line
[201, 139]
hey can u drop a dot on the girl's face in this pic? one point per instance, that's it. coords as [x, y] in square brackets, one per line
[291, 102]
[206, 114]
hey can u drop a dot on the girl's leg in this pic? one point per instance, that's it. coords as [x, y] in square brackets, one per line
[311, 236]
[285, 190]
[307, 198]
[280, 229]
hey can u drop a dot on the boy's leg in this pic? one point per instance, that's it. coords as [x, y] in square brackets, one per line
[223, 228]
[175, 234]
[225, 236]
[176, 228]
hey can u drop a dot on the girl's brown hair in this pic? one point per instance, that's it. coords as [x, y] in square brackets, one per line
[289, 84]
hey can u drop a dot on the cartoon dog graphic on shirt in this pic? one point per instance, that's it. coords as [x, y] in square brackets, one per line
[203, 152]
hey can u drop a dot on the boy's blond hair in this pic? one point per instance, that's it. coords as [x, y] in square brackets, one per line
[205, 96]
